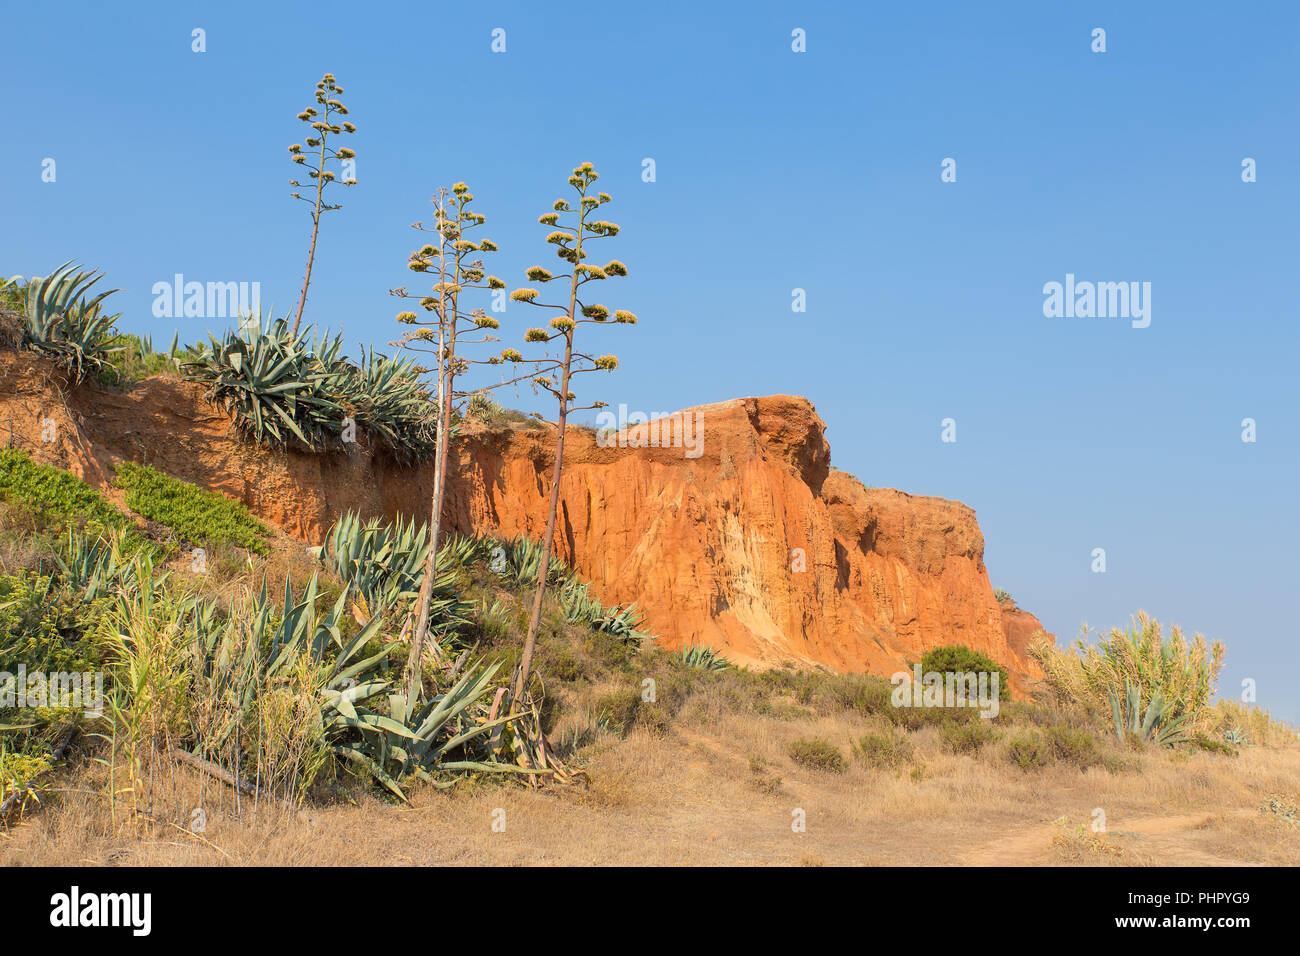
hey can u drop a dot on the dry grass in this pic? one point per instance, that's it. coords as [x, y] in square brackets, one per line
[716, 787]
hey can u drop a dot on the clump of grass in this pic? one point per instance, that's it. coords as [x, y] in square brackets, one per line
[1211, 745]
[486, 410]
[1072, 746]
[1283, 807]
[1076, 843]
[194, 513]
[817, 753]
[1179, 674]
[887, 751]
[761, 775]
[1244, 724]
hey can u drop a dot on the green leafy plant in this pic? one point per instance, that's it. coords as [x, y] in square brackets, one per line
[274, 383]
[1028, 750]
[60, 499]
[889, 750]
[580, 607]
[817, 753]
[519, 561]
[385, 565]
[966, 736]
[135, 359]
[387, 397]
[100, 565]
[278, 387]
[324, 123]
[197, 515]
[582, 228]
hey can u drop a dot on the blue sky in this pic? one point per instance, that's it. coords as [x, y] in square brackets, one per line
[779, 170]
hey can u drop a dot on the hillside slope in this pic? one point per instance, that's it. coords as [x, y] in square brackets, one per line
[755, 546]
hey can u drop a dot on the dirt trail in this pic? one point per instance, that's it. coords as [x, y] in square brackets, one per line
[1164, 835]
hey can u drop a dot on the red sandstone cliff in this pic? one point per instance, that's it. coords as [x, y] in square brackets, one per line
[755, 547]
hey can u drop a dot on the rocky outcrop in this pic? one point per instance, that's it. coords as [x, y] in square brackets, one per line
[749, 542]
[1021, 629]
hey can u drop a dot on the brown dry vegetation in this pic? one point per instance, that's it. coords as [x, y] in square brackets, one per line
[709, 780]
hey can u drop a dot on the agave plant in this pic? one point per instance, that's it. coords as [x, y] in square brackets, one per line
[703, 657]
[1158, 723]
[521, 560]
[387, 397]
[280, 386]
[61, 323]
[581, 607]
[274, 384]
[439, 735]
[462, 550]
[101, 565]
[384, 564]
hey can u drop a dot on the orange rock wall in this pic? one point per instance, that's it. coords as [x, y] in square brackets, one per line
[756, 547]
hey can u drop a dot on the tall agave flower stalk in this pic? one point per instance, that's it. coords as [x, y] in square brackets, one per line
[324, 124]
[455, 259]
[582, 227]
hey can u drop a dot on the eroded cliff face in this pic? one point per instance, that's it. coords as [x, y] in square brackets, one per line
[754, 545]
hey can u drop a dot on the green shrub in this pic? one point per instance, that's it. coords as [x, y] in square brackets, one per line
[817, 753]
[957, 658]
[1003, 596]
[618, 710]
[1210, 745]
[60, 499]
[967, 737]
[1072, 746]
[195, 514]
[1028, 750]
[46, 625]
[1058, 744]
[134, 359]
[887, 751]
[559, 663]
